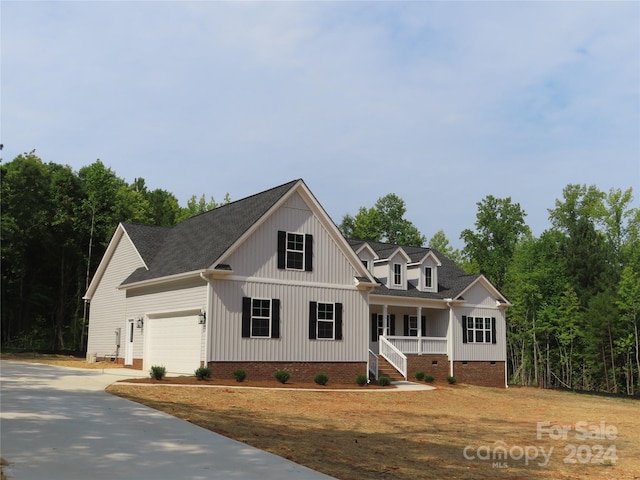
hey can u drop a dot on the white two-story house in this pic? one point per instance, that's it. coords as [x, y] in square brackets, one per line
[268, 282]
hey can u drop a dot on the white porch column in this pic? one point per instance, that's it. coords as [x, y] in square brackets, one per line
[420, 332]
[385, 320]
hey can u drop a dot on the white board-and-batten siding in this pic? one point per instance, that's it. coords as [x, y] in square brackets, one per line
[294, 343]
[256, 275]
[257, 256]
[479, 351]
[107, 310]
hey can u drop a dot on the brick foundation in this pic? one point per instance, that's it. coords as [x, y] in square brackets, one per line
[436, 365]
[480, 373]
[338, 372]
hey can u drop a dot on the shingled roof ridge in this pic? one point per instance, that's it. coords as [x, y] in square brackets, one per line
[243, 199]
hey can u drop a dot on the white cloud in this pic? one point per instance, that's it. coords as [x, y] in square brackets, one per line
[441, 103]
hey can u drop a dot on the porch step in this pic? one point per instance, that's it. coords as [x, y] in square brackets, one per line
[387, 370]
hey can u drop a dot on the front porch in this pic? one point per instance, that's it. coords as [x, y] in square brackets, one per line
[401, 335]
[406, 355]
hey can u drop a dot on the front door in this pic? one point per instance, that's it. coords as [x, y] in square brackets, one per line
[128, 349]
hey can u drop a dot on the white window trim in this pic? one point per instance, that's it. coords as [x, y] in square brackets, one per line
[380, 325]
[332, 321]
[287, 250]
[486, 330]
[408, 333]
[429, 288]
[270, 318]
[393, 273]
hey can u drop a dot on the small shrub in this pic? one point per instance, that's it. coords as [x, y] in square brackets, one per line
[361, 379]
[451, 380]
[203, 373]
[282, 376]
[429, 378]
[239, 375]
[384, 381]
[321, 378]
[420, 376]
[157, 372]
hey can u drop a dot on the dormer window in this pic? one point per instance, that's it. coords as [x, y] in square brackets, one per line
[428, 278]
[366, 264]
[397, 274]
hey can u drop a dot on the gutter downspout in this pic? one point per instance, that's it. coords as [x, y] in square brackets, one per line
[450, 335]
[207, 322]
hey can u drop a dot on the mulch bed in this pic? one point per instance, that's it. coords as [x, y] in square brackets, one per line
[252, 383]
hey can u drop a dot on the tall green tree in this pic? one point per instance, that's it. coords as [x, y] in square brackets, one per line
[628, 304]
[384, 222]
[196, 206]
[499, 226]
[440, 242]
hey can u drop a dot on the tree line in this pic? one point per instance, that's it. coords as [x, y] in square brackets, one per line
[575, 289]
[56, 225]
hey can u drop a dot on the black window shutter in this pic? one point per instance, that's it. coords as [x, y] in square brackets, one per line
[493, 330]
[374, 327]
[423, 325]
[282, 247]
[392, 326]
[275, 318]
[406, 325]
[308, 252]
[313, 319]
[246, 317]
[464, 329]
[338, 312]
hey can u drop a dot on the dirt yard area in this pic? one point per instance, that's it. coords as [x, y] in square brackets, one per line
[59, 360]
[459, 431]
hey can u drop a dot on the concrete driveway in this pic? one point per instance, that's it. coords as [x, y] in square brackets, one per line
[58, 423]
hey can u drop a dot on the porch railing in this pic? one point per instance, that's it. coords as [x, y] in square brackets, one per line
[394, 356]
[373, 364]
[419, 345]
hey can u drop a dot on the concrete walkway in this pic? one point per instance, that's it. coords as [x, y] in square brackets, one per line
[57, 423]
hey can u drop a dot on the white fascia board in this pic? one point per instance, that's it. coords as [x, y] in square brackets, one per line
[398, 301]
[167, 279]
[106, 258]
[402, 253]
[429, 254]
[366, 246]
[490, 288]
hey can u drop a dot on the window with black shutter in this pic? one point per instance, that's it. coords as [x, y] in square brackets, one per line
[295, 251]
[325, 321]
[260, 318]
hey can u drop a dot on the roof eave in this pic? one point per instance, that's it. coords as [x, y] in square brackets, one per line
[168, 278]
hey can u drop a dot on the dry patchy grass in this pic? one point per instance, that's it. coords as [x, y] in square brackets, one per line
[55, 359]
[409, 435]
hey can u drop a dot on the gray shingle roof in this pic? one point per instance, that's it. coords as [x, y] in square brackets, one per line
[452, 280]
[146, 238]
[199, 241]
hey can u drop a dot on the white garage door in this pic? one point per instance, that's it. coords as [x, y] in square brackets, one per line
[175, 343]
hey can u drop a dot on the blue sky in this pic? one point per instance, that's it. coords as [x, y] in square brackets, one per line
[441, 103]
